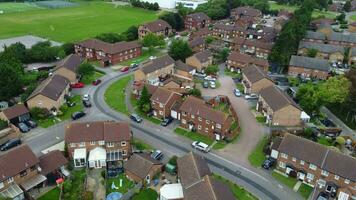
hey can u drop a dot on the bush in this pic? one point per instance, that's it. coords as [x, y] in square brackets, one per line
[340, 140]
[3, 124]
[39, 113]
[88, 195]
[63, 108]
[103, 174]
[86, 69]
[173, 160]
[212, 70]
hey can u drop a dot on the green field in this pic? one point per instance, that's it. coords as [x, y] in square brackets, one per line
[18, 7]
[74, 23]
[353, 17]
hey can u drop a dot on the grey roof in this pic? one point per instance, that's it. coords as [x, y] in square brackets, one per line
[71, 62]
[310, 63]
[140, 164]
[199, 16]
[203, 56]
[183, 67]
[52, 87]
[353, 51]
[254, 73]
[350, 37]
[157, 64]
[276, 98]
[315, 35]
[319, 155]
[325, 48]
[196, 42]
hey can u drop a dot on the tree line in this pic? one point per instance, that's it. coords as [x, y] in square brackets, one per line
[145, 5]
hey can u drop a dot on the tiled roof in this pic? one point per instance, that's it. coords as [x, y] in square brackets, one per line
[162, 95]
[52, 87]
[247, 11]
[203, 56]
[325, 48]
[315, 35]
[140, 164]
[343, 37]
[157, 64]
[15, 111]
[196, 42]
[254, 73]
[71, 62]
[52, 161]
[276, 98]
[199, 16]
[111, 48]
[183, 67]
[309, 63]
[158, 25]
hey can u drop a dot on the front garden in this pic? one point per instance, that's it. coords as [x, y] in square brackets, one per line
[304, 190]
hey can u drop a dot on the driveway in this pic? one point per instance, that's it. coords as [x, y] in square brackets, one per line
[251, 130]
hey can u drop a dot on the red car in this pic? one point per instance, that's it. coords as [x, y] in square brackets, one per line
[96, 82]
[77, 85]
[125, 69]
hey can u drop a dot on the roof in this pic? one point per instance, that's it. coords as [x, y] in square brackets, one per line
[191, 168]
[203, 56]
[97, 131]
[315, 35]
[342, 37]
[71, 62]
[202, 32]
[319, 155]
[140, 164]
[229, 27]
[157, 64]
[98, 153]
[16, 160]
[52, 87]
[309, 63]
[247, 59]
[183, 67]
[196, 42]
[276, 98]
[254, 73]
[111, 48]
[259, 44]
[158, 25]
[323, 21]
[326, 48]
[247, 11]
[162, 95]
[52, 161]
[199, 16]
[15, 111]
[198, 107]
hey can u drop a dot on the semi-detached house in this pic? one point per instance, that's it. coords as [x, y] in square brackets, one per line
[254, 79]
[158, 27]
[162, 101]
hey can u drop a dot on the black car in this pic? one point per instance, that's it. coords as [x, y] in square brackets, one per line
[23, 127]
[205, 84]
[31, 123]
[77, 115]
[136, 118]
[323, 196]
[166, 121]
[86, 103]
[268, 163]
[10, 144]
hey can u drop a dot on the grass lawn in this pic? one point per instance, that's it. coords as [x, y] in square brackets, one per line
[52, 194]
[257, 156]
[238, 191]
[240, 86]
[325, 141]
[143, 115]
[74, 23]
[288, 181]
[115, 95]
[353, 17]
[140, 145]
[18, 7]
[305, 191]
[233, 74]
[146, 194]
[261, 119]
[126, 184]
[87, 80]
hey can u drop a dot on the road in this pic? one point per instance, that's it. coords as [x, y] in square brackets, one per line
[256, 181]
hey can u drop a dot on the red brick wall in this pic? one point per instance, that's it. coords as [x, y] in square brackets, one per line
[292, 70]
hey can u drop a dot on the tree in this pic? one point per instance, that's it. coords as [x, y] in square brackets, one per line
[180, 50]
[215, 9]
[144, 102]
[3, 124]
[43, 52]
[39, 113]
[182, 10]
[17, 51]
[111, 37]
[195, 92]
[212, 70]
[347, 6]
[209, 39]
[312, 53]
[335, 89]
[340, 140]
[309, 98]
[86, 69]
[152, 40]
[131, 33]
[68, 48]
[11, 71]
[262, 5]
[223, 54]
[173, 19]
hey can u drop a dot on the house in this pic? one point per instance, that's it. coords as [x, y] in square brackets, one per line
[352, 27]
[196, 115]
[203, 32]
[108, 53]
[197, 44]
[197, 181]
[336, 7]
[158, 27]
[142, 168]
[162, 101]
[200, 60]
[309, 67]
[229, 32]
[138, 87]
[343, 39]
[352, 59]
[196, 21]
[332, 53]
[155, 70]
[52, 165]
[353, 5]
[107, 143]
[253, 47]
[237, 61]
[15, 114]
[254, 79]
[50, 94]
[278, 108]
[246, 11]
[68, 67]
[184, 70]
[20, 172]
[315, 24]
[314, 37]
[316, 165]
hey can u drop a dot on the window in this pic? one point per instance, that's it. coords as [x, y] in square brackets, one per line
[302, 162]
[161, 112]
[207, 121]
[123, 143]
[184, 121]
[23, 173]
[192, 116]
[10, 180]
[282, 165]
[101, 143]
[33, 168]
[324, 173]
[294, 159]
[310, 176]
[160, 105]
[124, 152]
[283, 155]
[1, 185]
[72, 145]
[184, 113]
[199, 118]
[92, 143]
[199, 127]
[110, 144]
[206, 130]
[347, 181]
[337, 177]
[218, 126]
[82, 144]
[311, 166]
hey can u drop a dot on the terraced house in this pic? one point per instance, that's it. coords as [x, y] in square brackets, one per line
[256, 48]
[316, 165]
[254, 79]
[246, 12]
[237, 61]
[229, 32]
[107, 53]
[332, 53]
[307, 67]
[68, 67]
[158, 27]
[200, 61]
[196, 21]
[98, 144]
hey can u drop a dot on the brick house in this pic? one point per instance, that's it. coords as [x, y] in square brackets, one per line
[314, 37]
[15, 114]
[141, 168]
[307, 67]
[343, 39]
[50, 93]
[256, 48]
[317, 23]
[254, 79]
[162, 101]
[203, 32]
[316, 165]
[108, 53]
[237, 61]
[332, 53]
[68, 67]
[246, 12]
[107, 143]
[196, 21]
[200, 60]
[197, 44]
[196, 115]
[229, 32]
[278, 108]
[155, 70]
[158, 27]
[183, 70]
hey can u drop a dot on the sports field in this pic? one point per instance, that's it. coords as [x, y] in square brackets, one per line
[74, 23]
[17, 7]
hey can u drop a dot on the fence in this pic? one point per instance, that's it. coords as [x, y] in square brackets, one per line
[131, 192]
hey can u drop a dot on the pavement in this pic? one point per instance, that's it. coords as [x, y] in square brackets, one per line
[27, 40]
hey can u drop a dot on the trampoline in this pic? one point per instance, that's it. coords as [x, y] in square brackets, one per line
[114, 196]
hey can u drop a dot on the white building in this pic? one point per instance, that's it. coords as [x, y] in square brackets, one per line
[191, 3]
[171, 192]
[171, 4]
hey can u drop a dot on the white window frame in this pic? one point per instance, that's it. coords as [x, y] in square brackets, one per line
[101, 142]
[199, 127]
[82, 144]
[282, 164]
[337, 177]
[124, 152]
[347, 181]
[294, 159]
[200, 119]
[10, 180]
[313, 167]
[207, 121]
[283, 155]
[161, 112]
[192, 116]
[302, 162]
[110, 144]
[310, 176]
[218, 126]
[92, 143]
[206, 129]
[72, 145]
[123, 143]
[324, 173]
[184, 121]
[160, 105]
[1, 185]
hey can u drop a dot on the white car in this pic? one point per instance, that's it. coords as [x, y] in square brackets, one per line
[152, 57]
[86, 97]
[251, 96]
[200, 146]
[237, 92]
[212, 84]
[210, 78]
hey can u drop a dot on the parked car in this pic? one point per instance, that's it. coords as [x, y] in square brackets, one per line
[70, 104]
[237, 92]
[200, 75]
[87, 104]
[205, 84]
[86, 97]
[200, 146]
[31, 123]
[210, 78]
[77, 85]
[96, 82]
[136, 118]
[152, 57]
[125, 69]
[212, 84]
[23, 127]
[77, 115]
[10, 144]
[251, 96]
[134, 65]
[268, 163]
[328, 123]
[150, 113]
[166, 121]
[323, 196]
[157, 155]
